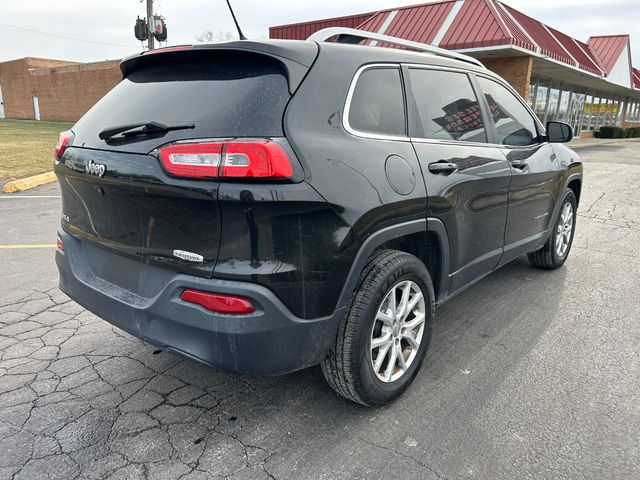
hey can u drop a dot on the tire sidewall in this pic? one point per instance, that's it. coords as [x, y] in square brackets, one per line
[567, 197]
[378, 391]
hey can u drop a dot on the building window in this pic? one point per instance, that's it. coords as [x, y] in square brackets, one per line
[541, 99]
[552, 108]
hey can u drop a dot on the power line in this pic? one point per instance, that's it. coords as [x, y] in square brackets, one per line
[66, 38]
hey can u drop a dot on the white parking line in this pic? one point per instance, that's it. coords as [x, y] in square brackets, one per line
[18, 247]
[6, 197]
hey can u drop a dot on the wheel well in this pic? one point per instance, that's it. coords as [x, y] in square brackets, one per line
[426, 247]
[576, 186]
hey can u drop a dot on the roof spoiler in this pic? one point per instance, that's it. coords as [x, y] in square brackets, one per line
[296, 61]
[348, 34]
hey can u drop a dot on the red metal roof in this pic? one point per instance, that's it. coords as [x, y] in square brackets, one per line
[301, 31]
[544, 39]
[373, 24]
[519, 36]
[477, 24]
[636, 77]
[419, 23]
[578, 50]
[607, 49]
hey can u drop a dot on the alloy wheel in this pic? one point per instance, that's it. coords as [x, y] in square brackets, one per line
[564, 230]
[397, 331]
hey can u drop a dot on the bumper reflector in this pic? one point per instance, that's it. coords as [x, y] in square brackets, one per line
[219, 303]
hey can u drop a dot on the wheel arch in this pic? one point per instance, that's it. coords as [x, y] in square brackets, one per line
[425, 238]
[574, 183]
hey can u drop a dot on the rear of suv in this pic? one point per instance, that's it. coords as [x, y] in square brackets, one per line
[263, 207]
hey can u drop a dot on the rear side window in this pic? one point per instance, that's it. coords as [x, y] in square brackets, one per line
[222, 94]
[447, 105]
[377, 104]
[514, 124]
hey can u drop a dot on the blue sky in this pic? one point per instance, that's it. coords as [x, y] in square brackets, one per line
[112, 22]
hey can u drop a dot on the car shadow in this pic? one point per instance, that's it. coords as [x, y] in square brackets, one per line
[479, 337]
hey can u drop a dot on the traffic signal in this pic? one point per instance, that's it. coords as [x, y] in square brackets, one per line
[141, 31]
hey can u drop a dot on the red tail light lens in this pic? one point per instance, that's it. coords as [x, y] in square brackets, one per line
[63, 140]
[60, 244]
[250, 159]
[219, 303]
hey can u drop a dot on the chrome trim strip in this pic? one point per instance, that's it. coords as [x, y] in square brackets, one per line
[375, 136]
[347, 106]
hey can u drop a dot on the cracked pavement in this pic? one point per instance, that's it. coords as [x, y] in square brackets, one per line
[530, 374]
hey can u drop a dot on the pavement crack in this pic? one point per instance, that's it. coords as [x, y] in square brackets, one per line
[401, 454]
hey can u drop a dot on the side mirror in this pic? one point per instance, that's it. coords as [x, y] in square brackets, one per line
[559, 132]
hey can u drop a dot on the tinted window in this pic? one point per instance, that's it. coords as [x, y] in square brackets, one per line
[223, 95]
[514, 124]
[447, 106]
[377, 105]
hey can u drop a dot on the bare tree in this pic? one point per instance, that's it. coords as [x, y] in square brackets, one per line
[214, 37]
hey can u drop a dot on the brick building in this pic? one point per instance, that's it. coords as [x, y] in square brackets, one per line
[45, 89]
[587, 84]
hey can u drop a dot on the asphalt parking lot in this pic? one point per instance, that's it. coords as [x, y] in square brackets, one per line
[530, 374]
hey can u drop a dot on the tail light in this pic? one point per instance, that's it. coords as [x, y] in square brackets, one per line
[219, 303]
[63, 140]
[60, 245]
[235, 159]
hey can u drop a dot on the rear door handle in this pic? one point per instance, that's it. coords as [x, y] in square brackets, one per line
[442, 167]
[519, 164]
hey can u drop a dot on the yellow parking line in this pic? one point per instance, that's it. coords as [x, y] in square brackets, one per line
[37, 245]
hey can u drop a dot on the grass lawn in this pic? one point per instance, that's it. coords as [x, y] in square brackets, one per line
[27, 147]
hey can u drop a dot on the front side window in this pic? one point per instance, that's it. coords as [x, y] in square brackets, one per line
[377, 105]
[514, 125]
[447, 106]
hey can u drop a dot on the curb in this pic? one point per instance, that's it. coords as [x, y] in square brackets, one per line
[29, 182]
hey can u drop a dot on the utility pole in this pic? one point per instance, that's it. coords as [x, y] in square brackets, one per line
[150, 42]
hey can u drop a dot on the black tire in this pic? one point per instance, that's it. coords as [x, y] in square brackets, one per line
[547, 257]
[348, 368]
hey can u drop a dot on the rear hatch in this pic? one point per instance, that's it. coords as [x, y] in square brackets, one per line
[116, 192]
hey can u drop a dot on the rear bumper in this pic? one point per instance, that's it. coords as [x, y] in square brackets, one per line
[270, 341]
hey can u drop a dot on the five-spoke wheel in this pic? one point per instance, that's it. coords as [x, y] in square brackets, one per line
[556, 249]
[397, 331]
[382, 340]
[564, 230]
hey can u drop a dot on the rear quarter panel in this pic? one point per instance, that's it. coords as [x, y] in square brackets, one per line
[347, 170]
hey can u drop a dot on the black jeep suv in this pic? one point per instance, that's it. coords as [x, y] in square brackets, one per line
[266, 206]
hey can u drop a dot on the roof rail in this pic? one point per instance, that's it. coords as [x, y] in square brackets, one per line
[326, 33]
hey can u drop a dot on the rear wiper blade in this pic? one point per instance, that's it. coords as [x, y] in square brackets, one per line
[141, 129]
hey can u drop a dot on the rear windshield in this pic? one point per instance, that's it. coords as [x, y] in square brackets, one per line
[223, 94]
